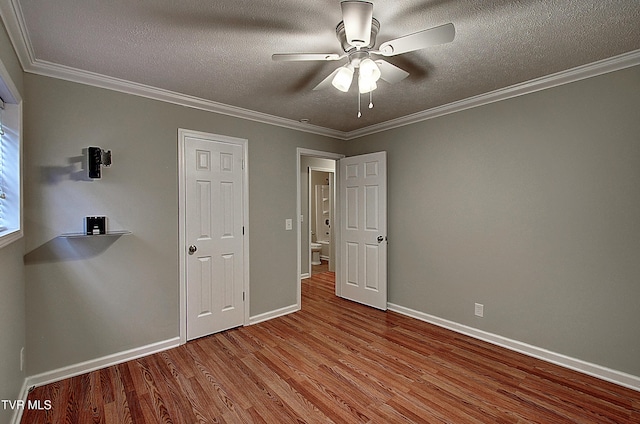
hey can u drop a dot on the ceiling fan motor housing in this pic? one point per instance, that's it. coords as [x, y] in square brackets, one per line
[342, 37]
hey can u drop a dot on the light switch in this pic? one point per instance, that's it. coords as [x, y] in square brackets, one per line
[288, 224]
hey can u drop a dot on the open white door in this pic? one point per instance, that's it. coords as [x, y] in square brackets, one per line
[362, 274]
[214, 233]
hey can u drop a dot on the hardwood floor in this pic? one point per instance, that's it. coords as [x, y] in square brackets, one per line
[319, 269]
[335, 361]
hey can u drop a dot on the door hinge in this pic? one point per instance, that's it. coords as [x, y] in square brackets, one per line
[243, 296]
[242, 230]
[242, 163]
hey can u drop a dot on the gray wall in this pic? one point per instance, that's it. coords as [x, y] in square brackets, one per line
[12, 294]
[530, 206]
[88, 298]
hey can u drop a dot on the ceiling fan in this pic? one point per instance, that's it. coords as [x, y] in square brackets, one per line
[357, 35]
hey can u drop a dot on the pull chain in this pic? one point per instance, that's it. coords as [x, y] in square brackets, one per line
[359, 114]
[371, 99]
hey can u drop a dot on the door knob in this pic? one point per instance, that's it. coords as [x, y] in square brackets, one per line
[380, 239]
[192, 249]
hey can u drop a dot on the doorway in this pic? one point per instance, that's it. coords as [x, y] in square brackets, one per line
[309, 161]
[320, 212]
[359, 229]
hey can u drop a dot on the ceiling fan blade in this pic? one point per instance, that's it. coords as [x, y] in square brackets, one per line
[289, 57]
[326, 83]
[429, 37]
[391, 73]
[357, 16]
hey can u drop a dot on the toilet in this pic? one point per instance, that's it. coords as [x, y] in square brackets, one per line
[316, 248]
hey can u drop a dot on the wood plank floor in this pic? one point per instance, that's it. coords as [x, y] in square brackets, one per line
[335, 361]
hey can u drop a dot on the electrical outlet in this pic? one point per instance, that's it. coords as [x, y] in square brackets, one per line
[22, 359]
[479, 310]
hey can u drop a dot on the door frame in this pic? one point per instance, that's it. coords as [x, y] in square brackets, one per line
[182, 243]
[324, 155]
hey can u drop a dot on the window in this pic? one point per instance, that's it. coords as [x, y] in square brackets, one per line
[10, 161]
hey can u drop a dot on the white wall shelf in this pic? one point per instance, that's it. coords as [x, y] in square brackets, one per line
[108, 234]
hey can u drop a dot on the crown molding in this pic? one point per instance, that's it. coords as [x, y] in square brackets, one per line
[54, 70]
[11, 14]
[615, 63]
[14, 22]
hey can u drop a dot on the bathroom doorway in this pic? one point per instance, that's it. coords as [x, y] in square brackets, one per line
[306, 159]
[321, 212]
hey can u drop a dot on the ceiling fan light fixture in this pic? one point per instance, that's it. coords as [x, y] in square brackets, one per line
[344, 77]
[357, 34]
[366, 85]
[369, 69]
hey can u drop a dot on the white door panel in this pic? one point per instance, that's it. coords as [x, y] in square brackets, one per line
[363, 209]
[213, 235]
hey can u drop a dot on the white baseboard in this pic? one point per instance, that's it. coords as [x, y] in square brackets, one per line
[273, 314]
[84, 367]
[127, 355]
[17, 413]
[594, 370]
[96, 364]
[305, 275]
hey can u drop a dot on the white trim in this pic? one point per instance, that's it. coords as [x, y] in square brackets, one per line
[17, 413]
[98, 363]
[594, 370]
[8, 90]
[560, 78]
[615, 63]
[274, 314]
[318, 154]
[11, 96]
[305, 276]
[49, 69]
[14, 22]
[10, 237]
[89, 366]
[244, 143]
[16, 28]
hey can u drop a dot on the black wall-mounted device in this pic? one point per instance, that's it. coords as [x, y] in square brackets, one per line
[94, 225]
[97, 158]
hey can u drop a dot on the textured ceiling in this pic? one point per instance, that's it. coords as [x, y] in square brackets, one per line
[220, 50]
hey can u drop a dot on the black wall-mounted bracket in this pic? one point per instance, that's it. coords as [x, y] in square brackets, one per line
[97, 158]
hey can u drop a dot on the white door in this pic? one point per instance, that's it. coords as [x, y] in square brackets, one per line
[213, 235]
[363, 225]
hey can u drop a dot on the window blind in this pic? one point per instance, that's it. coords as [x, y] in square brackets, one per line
[3, 189]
